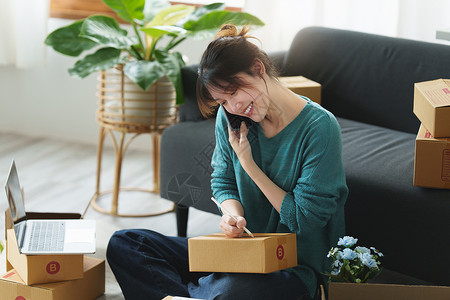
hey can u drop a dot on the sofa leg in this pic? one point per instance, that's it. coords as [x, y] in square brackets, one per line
[182, 213]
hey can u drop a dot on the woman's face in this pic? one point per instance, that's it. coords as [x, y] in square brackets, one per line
[249, 101]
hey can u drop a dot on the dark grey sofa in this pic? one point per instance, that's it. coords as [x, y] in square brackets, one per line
[368, 83]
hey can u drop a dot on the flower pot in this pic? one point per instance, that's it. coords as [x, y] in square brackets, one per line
[124, 106]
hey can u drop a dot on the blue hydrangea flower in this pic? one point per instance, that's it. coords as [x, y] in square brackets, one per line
[349, 254]
[335, 272]
[362, 250]
[377, 252]
[337, 264]
[347, 241]
[368, 260]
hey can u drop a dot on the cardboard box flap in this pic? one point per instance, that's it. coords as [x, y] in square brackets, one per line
[424, 134]
[12, 276]
[437, 91]
[258, 236]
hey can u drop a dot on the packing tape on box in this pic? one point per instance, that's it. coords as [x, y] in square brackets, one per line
[282, 261]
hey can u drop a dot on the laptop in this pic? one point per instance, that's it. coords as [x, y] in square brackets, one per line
[43, 236]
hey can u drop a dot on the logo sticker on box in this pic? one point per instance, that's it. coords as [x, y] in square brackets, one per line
[280, 252]
[53, 267]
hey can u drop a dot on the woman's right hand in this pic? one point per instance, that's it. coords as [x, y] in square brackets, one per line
[231, 228]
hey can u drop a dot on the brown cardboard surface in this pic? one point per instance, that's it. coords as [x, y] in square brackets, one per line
[370, 291]
[89, 288]
[267, 252]
[432, 106]
[432, 160]
[303, 86]
[35, 269]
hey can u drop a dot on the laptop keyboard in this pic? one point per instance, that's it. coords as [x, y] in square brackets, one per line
[47, 236]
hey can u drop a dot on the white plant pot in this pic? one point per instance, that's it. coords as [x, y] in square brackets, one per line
[125, 106]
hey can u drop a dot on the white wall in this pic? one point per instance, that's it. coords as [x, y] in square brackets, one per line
[46, 101]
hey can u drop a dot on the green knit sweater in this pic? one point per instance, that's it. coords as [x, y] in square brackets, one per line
[305, 160]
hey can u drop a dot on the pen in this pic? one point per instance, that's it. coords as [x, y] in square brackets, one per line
[228, 213]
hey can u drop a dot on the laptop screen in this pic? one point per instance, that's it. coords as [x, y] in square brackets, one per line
[14, 196]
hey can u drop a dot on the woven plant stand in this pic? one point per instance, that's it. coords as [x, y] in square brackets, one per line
[124, 112]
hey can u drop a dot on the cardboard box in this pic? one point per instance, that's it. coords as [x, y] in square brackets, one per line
[89, 288]
[34, 269]
[432, 106]
[267, 252]
[303, 86]
[371, 291]
[432, 160]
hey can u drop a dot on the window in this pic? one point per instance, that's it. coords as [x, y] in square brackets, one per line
[79, 9]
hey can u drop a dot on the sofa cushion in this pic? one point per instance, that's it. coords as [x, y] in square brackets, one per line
[385, 210]
[366, 77]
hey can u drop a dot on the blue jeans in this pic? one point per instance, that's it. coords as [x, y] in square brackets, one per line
[149, 265]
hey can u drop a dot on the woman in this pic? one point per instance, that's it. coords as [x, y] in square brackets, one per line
[284, 172]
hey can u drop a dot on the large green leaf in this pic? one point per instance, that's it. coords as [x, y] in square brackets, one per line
[128, 10]
[201, 11]
[172, 64]
[209, 24]
[66, 40]
[171, 15]
[153, 7]
[143, 72]
[103, 59]
[106, 31]
[157, 31]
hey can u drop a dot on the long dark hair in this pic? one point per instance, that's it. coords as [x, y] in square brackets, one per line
[226, 56]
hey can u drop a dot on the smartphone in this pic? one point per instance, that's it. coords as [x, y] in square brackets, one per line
[234, 121]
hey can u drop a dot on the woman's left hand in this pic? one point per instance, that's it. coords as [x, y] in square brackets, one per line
[241, 145]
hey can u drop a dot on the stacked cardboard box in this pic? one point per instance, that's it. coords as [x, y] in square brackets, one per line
[49, 277]
[432, 155]
[303, 86]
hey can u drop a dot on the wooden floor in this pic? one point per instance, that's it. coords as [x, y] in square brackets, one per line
[59, 176]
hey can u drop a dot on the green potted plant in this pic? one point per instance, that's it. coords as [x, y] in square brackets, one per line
[148, 54]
